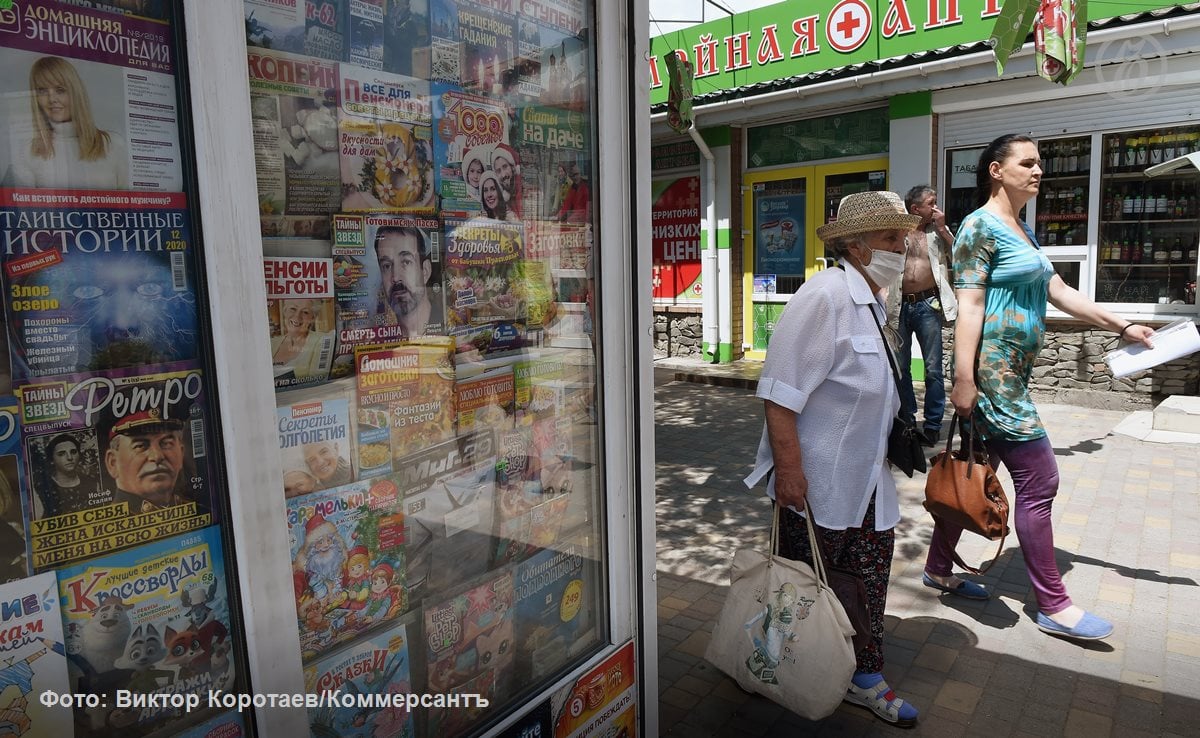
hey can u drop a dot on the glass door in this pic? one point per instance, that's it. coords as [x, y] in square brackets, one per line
[779, 210]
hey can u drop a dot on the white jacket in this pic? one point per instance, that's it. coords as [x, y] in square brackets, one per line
[826, 362]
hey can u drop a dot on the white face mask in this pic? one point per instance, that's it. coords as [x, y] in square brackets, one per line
[885, 266]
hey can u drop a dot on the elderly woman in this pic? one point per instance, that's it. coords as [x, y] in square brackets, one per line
[830, 399]
[300, 345]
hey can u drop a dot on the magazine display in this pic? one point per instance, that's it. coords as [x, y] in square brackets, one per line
[387, 281]
[33, 658]
[154, 620]
[366, 33]
[448, 492]
[550, 55]
[276, 24]
[551, 609]
[97, 288]
[348, 561]
[376, 665]
[113, 501]
[482, 273]
[315, 443]
[474, 45]
[14, 546]
[406, 39]
[470, 642]
[293, 110]
[473, 140]
[302, 314]
[405, 401]
[486, 401]
[229, 725]
[122, 74]
[325, 29]
[384, 126]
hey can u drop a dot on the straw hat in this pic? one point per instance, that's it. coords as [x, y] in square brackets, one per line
[863, 212]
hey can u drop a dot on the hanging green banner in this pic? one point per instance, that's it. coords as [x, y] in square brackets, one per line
[679, 97]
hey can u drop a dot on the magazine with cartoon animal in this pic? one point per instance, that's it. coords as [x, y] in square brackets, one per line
[152, 620]
[14, 544]
[85, 438]
[385, 130]
[348, 561]
[449, 492]
[469, 641]
[33, 659]
[94, 288]
[376, 665]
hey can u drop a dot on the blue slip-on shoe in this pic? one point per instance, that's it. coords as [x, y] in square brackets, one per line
[966, 589]
[1089, 628]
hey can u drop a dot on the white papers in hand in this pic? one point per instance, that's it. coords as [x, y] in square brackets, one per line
[1173, 340]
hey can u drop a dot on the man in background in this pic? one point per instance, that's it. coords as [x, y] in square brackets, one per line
[919, 303]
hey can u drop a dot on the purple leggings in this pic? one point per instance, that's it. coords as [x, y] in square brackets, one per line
[1035, 477]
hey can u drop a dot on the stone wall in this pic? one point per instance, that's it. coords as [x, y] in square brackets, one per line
[1071, 370]
[678, 332]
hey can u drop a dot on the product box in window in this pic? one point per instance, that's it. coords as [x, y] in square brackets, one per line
[33, 657]
[154, 620]
[14, 544]
[316, 440]
[109, 498]
[387, 276]
[378, 664]
[93, 288]
[449, 498]
[348, 553]
[469, 641]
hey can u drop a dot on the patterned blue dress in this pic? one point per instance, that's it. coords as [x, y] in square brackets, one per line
[990, 255]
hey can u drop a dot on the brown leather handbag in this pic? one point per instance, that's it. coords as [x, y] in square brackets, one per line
[962, 489]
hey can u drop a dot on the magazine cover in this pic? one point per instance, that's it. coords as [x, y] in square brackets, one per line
[473, 147]
[365, 26]
[96, 288]
[153, 620]
[469, 641]
[325, 29]
[552, 588]
[314, 442]
[540, 388]
[118, 80]
[384, 126]
[276, 24]
[375, 665]
[518, 488]
[405, 401]
[293, 111]
[33, 658]
[302, 315]
[542, 40]
[485, 401]
[142, 433]
[474, 45]
[14, 545]
[387, 280]
[553, 146]
[482, 271]
[229, 725]
[348, 561]
[406, 38]
[448, 492]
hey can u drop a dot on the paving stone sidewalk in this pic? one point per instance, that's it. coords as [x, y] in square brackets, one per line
[1127, 530]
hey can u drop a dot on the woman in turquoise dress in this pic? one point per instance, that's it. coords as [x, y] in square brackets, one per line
[1003, 281]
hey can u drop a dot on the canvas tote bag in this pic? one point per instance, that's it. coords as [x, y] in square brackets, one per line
[782, 632]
